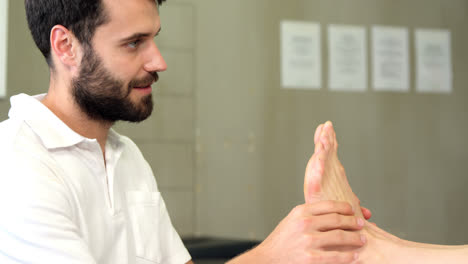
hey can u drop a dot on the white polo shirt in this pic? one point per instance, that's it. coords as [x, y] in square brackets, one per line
[60, 203]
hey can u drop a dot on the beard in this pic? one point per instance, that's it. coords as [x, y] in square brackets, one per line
[103, 97]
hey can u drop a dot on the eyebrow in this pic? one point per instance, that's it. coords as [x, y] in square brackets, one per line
[138, 35]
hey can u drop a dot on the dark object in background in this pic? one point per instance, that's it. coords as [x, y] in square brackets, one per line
[209, 250]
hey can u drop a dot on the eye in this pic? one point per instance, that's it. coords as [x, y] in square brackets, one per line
[134, 44]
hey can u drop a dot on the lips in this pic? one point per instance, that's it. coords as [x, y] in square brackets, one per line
[144, 82]
[143, 86]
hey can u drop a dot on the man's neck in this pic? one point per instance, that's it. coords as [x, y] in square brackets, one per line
[65, 108]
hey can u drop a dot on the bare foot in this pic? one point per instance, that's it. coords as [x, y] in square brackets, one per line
[325, 179]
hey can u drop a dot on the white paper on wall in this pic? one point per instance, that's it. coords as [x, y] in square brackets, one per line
[300, 55]
[390, 59]
[3, 46]
[433, 61]
[347, 58]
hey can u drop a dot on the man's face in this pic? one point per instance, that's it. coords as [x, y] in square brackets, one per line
[117, 70]
[104, 97]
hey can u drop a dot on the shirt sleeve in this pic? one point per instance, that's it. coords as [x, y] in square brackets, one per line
[36, 219]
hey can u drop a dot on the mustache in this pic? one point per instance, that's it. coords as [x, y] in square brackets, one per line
[144, 82]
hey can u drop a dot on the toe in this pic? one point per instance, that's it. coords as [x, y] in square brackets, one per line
[324, 138]
[333, 138]
[318, 132]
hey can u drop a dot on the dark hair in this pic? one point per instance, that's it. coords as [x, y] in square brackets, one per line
[81, 17]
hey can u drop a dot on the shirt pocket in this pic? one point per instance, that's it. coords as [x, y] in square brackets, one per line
[145, 210]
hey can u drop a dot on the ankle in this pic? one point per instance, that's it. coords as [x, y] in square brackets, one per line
[381, 247]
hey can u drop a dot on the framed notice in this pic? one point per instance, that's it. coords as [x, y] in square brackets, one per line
[433, 61]
[347, 58]
[390, 59]
[300, 55]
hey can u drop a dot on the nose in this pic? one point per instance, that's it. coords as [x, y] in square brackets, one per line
[155, 61]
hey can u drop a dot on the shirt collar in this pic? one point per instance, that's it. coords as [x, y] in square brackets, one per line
[115, 140]
[52, 131]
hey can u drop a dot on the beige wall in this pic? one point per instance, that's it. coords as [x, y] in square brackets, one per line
[229, 146]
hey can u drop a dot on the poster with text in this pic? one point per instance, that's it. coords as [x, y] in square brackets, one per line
[433, 61]
[301, 66]
[347, 58]
[390, 59]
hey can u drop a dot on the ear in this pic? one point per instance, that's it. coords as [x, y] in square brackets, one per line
[64, 46]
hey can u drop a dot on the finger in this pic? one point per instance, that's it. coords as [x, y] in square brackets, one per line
[366, 213]
[335, 221]
[340, 239]
[328, 207]
[334, 257]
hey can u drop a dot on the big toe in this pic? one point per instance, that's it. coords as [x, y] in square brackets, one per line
[329, 136]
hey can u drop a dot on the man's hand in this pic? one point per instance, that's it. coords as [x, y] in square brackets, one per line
[366, 212]
[310, 230]
[317, 232]
[308, 235]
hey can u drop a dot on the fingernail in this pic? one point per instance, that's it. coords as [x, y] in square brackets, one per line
[360, 222]
[363, 239]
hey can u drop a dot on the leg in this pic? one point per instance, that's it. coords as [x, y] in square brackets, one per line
[325, 179]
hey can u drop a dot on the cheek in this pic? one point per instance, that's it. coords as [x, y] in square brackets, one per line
[120, 73]
[125, 71]
[122, 65]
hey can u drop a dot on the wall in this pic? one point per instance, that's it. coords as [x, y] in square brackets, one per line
[229, 147]
[3, 45]
[404, 153]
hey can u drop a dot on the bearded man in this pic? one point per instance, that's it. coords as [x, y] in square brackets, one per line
[72, 190]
